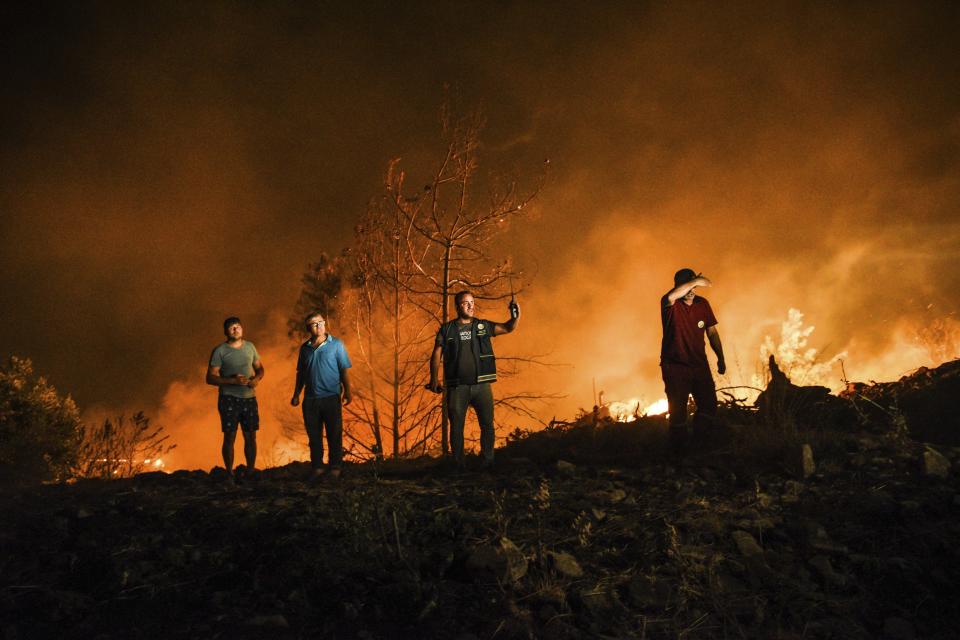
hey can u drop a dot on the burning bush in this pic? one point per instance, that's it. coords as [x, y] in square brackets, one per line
[122, 447]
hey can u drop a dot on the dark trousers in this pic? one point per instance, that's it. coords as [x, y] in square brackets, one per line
[680, 381]
[480, 397]
[320, 413]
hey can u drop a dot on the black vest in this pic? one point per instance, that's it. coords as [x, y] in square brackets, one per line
[482, 351]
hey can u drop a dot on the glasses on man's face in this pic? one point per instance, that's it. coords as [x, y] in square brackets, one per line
[317, 324]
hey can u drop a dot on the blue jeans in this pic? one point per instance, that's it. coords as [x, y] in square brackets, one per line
[480, 397]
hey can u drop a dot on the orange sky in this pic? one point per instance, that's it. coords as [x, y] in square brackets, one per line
[164, 167]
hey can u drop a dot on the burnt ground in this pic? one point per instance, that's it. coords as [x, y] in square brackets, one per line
[587, 530]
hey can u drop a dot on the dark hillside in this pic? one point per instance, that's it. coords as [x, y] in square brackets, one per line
[584, 530]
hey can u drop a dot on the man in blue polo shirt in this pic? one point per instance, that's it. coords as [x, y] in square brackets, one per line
[322, 368]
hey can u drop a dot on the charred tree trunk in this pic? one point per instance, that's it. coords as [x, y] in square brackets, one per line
[445, 299]
[396, 339]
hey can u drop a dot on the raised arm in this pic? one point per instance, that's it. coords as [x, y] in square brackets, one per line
[678, 292]
[500, 328]
[714, 337]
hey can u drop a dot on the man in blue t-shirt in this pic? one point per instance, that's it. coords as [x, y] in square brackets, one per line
[236, 369]
[322, 368]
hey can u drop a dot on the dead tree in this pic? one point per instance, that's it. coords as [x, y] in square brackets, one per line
[448, 229]
[391, 331]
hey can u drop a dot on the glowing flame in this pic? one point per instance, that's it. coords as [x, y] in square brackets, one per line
[630, 410]
[660, 407]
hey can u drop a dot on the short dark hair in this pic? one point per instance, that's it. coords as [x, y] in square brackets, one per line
[457, 299]
[683, 276]
[232, 320]
[311, 315]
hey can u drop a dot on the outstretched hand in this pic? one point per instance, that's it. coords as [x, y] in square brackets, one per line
[721, 367]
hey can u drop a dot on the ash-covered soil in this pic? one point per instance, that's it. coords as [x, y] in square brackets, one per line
[588, 530]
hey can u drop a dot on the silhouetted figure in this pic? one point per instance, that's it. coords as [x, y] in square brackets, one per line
[686, 317]
[235, 368]
[322, 368]
[469, 367]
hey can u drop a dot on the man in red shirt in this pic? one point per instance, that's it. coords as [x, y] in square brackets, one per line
[683, 356]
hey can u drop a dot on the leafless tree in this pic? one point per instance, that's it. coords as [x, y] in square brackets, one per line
[392, 332]
[448, 230]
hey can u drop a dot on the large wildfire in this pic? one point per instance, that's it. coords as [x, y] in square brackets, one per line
[803, 363]
[803, 157]
[189, 407]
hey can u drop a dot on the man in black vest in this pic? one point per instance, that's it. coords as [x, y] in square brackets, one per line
[469, 367]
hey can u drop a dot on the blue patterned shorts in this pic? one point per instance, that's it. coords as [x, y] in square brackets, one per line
[238, 410]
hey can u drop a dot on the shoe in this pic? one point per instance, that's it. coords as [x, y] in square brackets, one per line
[317, 474]
[334, 474]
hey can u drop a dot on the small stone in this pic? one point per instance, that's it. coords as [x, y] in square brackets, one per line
[566, 468]
[898, 629]
[910, 506]
[564, 564]
[600, 602]
[807, 466]
[729, 584]
[275, 622]
[617, 495]
[825, 569]
[598, 514]
[747, 546]
[792, 488]
[649, 593]
[502, 561]
[935, 464]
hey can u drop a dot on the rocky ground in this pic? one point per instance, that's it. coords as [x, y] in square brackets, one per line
[587, 530]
